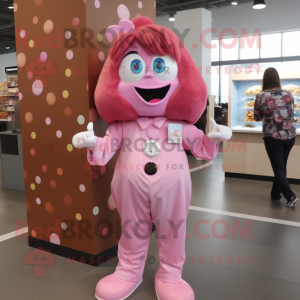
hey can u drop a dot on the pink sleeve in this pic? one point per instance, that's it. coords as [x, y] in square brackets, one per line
[198, 143]
[107, 146]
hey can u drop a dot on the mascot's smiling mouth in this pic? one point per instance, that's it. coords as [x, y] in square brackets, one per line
[153, 95]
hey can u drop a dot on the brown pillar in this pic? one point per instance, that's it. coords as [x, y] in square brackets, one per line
[61, 49]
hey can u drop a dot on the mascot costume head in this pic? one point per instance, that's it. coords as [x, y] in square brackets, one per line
[149, 72]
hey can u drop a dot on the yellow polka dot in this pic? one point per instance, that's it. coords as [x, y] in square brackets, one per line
[31, 43]
[33, 135]
[78, 217]
[65, 94]
[99, 37]
[68, 72]
[32, 186]
[70, 148]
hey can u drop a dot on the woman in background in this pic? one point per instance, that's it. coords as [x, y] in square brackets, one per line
[276, 108]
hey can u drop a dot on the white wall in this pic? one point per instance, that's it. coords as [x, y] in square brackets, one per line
[279, 15]
[196, 20]
[7, 60]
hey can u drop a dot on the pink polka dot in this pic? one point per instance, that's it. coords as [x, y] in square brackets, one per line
[138, 15]
[38, 201]
[48, 121]
[111, 203]
[44, 168]
[76, 22]
[84, 1]
[21, 60]
[35, 20]
[68, 35]
[123, 12]
[54, 239]
[22, 33]
[59, 134]
[38, 179]
[70, 54]
[37, 87]
[64, 226]
[195, 46]
[97, 3]
[140, 4]
[33, 233]
[101, 55]
[105, 231]
[20, 96]
[48, 26]
[29, 75]
[82, 188]
[43, 57]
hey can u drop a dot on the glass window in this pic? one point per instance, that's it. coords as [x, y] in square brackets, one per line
[249, 47]
[270, 45]
[215, 52]
[229, 49]
[215, 77]
[291, 43]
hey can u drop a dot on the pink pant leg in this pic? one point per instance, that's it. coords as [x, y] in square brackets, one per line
[134, 208]
[169, 212]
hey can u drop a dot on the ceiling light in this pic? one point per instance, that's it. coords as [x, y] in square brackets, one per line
[234, 3]
[7, 47]
[172, 17]
[259, 4]
[11, 6]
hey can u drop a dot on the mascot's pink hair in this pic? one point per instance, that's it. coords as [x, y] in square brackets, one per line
[189, 99]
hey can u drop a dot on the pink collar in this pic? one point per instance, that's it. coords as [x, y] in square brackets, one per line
[144, 122]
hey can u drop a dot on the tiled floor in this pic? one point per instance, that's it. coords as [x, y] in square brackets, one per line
[264, 265]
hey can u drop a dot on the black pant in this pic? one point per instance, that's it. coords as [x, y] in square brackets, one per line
[278, 152]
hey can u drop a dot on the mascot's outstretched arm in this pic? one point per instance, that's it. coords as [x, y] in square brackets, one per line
[204, 146]
[100, 150]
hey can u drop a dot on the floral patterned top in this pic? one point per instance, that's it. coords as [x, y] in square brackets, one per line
[276, 109]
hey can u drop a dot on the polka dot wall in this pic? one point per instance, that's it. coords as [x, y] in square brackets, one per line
[57, 103]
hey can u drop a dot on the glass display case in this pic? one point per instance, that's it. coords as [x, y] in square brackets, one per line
[243, 95]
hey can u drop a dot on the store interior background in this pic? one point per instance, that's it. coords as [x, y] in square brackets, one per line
[275, 273]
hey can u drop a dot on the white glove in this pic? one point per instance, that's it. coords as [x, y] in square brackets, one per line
[85, 139]
[218, 133]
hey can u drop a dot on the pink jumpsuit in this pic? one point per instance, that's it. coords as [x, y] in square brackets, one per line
[162, 198]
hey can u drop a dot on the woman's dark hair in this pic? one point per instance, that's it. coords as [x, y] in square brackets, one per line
[271, 79]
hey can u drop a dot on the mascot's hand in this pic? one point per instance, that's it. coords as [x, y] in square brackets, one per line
[85, 139]
[218, 133]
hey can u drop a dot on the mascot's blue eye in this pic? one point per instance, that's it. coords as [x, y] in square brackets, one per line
[159, 65]
[136, 66]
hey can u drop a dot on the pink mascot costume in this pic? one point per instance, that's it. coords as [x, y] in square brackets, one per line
[148, 83]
